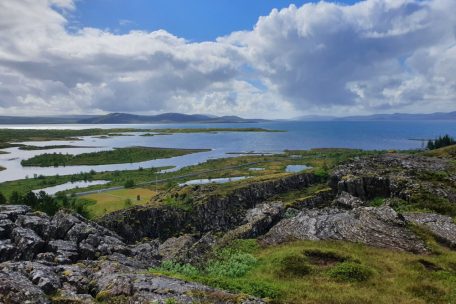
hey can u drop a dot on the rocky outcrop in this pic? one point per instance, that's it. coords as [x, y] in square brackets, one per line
[380, 227]
[347, 201]
[392, 175]
[257, 222]
[95, 281]
[443, 227]
[213, 213]
[68, 259]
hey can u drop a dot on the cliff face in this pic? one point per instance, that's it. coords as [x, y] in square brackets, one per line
[215, 213]
[396, 175]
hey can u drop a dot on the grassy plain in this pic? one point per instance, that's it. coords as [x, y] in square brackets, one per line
[106, 202]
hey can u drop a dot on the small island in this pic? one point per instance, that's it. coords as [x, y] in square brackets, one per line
[116, 156]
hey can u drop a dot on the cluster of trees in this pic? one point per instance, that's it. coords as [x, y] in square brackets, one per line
[440, 142]
[38, 202]
[46, 203]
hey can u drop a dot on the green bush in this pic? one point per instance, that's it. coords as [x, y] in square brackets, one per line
[185, 269]
[293, 265]
[129, 183]
[234, 265]
[350, 272]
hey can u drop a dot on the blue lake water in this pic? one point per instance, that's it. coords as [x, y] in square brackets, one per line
[372, 135]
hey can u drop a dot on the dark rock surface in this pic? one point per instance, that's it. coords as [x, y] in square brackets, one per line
[68, 259]
[215, 213]
[380, 227]
[393, 175]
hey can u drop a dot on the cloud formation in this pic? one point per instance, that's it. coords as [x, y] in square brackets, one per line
[373, 56]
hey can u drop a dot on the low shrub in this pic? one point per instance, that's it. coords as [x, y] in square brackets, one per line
[293, 265]
[185, 269]
[351, 272]
[232, 265]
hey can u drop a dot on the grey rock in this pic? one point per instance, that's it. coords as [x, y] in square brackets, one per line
[13, 211]
[65, 251]
[443, 227]
[39, 223]
[257, 221]
[6, 226]
[380, 227]
[41, 275]
[147, 252]
[176, 247]
[28, 244]
[348, 201]
[15, 288]
[7, 250]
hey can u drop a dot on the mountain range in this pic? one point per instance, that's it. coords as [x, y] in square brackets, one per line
[124, 118]
[377, 117]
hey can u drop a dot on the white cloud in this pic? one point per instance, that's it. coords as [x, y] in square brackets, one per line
[362, 56]
[374, 56]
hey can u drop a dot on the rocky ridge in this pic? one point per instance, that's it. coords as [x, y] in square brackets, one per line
[68, 259]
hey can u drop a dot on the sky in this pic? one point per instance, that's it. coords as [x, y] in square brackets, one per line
[256, 58]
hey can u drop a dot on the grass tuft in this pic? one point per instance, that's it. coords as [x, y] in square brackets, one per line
[351, 272]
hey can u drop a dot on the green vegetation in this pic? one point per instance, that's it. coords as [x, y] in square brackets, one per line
[33, 148]
[351, 272]
[274, 167]
[98, 204]
[41, 202]
[116, 156]
[440, 142]
[328, 272]
[129, 183]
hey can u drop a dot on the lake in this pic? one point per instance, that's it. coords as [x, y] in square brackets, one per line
[369, 135]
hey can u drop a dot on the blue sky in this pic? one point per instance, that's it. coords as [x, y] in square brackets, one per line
[195, 20]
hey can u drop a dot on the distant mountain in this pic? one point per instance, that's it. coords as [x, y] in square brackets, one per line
[376, 117]
[123, 118]
[65, 119]
[404, 116]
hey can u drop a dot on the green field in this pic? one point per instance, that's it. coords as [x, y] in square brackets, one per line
[106, 202]
[116, 156]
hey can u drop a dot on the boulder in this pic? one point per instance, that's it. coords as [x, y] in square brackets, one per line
[347, 201]
[11, 212]
[443, 227]
[380, 227]
[39, 223]
[27, 243]
[15, 288]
